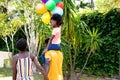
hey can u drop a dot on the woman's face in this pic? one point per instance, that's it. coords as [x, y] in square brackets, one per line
[53, 23]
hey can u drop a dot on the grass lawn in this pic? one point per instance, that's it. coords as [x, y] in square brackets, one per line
[6, 74]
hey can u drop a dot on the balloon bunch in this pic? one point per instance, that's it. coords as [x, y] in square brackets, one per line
[47, 6]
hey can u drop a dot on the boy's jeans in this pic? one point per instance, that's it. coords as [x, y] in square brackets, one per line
[51, 47]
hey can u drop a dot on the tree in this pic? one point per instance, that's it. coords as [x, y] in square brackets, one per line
[106, 5]
[4, 29]
[92, 41]
[72, 38]
[22, 15]
[33, 26]
[9, 26]
[68, 19]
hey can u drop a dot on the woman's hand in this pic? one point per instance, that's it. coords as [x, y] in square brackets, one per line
[46, 78]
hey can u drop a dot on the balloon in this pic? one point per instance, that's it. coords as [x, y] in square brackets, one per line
[50, 5]
[60, 4]
[44, 1]
[58, 10]
[56, 1]
[41, 8]
[46, 17]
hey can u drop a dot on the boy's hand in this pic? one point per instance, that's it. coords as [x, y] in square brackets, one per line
[45, 50]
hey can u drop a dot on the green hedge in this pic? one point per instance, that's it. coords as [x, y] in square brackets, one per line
[105, 61]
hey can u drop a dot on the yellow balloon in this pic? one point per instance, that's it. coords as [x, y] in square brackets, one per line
[46, 17]
[41, 8]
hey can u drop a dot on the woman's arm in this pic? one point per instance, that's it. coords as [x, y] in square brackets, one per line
[37, 64]
[14, 62]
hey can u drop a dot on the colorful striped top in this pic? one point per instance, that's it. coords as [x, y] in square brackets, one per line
[24, 68]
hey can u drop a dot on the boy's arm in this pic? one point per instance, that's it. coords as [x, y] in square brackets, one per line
[14, 62]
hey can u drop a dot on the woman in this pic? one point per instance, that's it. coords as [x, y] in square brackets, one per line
[22, 63]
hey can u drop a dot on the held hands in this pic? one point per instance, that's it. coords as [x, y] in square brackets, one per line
[46, 78]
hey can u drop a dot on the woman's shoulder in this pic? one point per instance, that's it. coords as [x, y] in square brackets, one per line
[15, 57]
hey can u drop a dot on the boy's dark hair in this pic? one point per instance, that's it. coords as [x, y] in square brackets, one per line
[47, 40]
[57, 18]
[21, 44]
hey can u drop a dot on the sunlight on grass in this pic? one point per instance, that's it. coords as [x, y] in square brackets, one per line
[6, 78]
[1, 75]
[38, 77]
[6, 74]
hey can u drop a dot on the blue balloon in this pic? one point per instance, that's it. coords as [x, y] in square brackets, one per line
[58, 10]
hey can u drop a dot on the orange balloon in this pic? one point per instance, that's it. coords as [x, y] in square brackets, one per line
[41, 8]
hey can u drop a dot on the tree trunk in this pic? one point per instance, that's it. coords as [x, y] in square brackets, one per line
[71, 64]
[8, 49]
[85, 62]
[31, 35]
[12, 40]
[92, 4]
[74, 57]
[119, 64]
[73, 76]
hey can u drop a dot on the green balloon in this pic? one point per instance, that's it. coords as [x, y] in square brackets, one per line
[56, 1]
[50, 5]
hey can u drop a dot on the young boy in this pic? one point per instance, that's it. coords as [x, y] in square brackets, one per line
[22, 63]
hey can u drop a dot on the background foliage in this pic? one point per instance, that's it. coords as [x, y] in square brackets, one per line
[106, 60]
[75, 35]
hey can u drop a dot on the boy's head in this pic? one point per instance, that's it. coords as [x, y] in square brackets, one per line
[21, 44]
[56, 20]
